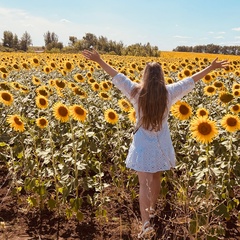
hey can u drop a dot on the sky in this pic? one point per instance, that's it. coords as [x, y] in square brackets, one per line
[162, 23]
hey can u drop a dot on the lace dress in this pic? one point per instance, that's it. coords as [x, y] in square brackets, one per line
[152, 151]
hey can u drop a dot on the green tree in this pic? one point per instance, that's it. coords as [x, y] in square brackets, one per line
[25, 41]
[7, 39]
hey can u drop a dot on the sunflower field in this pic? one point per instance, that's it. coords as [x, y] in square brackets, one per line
[65, 132]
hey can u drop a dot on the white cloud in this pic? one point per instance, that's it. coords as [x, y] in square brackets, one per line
[236, 29]
[219, 37]
[65, 20]
[182, 37]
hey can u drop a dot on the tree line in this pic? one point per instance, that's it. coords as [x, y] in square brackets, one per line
[11, 42]
[210, 48]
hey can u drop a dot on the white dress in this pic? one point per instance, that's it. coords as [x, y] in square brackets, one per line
[152, 151]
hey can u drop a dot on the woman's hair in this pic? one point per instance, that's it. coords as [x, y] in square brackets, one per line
[152, 101]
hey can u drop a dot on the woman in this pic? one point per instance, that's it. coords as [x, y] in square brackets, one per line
[151, 150]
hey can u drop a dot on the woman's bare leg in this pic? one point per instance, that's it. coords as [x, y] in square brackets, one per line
[149, 188]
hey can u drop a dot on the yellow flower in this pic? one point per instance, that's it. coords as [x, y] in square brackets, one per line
[68, 66]
[181, 110]
[169, 80]
[41, 102]
[42, 90]
[105, 85]
[60, 84]
[225, 97]
[16, 122]
[219, 85]
[203, 129]
[231, 123]
[124, 105]
[235, 108]
[207, 79]
[80, 92]
[95, 86]
[35, 62]
[4, 85]
[105, 96]
[46, 69]
[78, 113]
[78, 77]
[132, 115]
[202, 112]
[111, 116]
[6, 98]
[236, 86]
[61, 112]
[236, 93]
[42, 122]
[186, 72]
[209, 90]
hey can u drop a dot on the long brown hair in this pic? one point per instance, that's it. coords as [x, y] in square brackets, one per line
[152, 101]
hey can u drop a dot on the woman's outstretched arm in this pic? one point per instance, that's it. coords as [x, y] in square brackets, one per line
[214, 65]
[95, 56]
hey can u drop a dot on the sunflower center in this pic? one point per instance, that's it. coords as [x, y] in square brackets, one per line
[111, 115]
[210, 89]
[6, 97]
[207, 77]
[43, 92]
[63, 111]
[17, 121]
[231, 122]
[43, 122]
[226, 97]
[104, 95]
[60, 84]
[68, 65]
[235, 107]
[42, 101]
[79, 77]
[202, 113]
[35, 60]
[204, 128]
[183, 110]
[79, 111]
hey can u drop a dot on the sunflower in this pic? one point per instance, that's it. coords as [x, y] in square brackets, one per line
[225, 97]
[3, 70]
[78, 78]
[219, 85]
[235, 108]
[41, 102]
[104, 96]
[35, 62]
[181, 110]
[186, 73]
[78, 113]
[6, 98]
[203, 129]
[42, 122]
[111, 116]
[202, 112]
[46, 69]
[124, 105]
[169, 80]
[91, 80]
[36, 80]
[209, 90]
[16, 67]
[15, 85]
[4, 85]
[105, 86]
[24, 89]
[132, 115]
[207, 79]
[16, 122]
[80, 92]
[42, 90]
[231, 123]
[236, 93]
[60, 84]
[95, 86]
[235, 86]
[61, 112]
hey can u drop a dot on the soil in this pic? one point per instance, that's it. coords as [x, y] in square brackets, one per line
[18, 222]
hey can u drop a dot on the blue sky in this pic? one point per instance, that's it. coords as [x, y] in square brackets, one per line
[163, 23]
